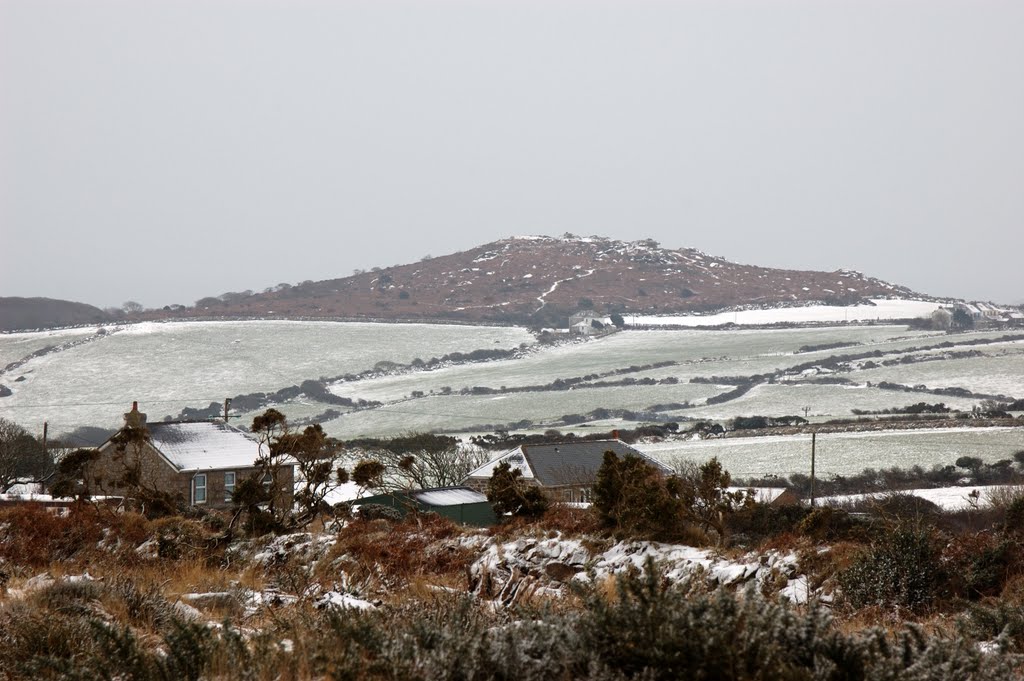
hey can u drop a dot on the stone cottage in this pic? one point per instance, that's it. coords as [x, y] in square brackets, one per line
[200, 463]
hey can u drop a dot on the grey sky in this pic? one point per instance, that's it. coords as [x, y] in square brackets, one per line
[166, 150]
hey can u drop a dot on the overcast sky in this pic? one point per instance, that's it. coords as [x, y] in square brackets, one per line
[166, 150]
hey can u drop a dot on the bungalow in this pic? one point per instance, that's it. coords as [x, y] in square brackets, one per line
[200, 463]
[565, 471]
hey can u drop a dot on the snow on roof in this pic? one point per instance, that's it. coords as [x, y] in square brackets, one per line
[203, 445]
[25, 488]
[448, 496]
[515, 459]
[350, 491]
[762, 495]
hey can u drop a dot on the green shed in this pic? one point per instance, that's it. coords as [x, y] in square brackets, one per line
[461, 504]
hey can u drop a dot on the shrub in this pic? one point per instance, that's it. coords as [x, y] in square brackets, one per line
[979, 564]
[633, 496]
[379, 512]
[902, 568]
[509, 493]
[29, 535]
[760, 521]
[179, 538]
[827, 524]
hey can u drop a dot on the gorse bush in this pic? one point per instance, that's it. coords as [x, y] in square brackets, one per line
[901, 568]
[648, 629]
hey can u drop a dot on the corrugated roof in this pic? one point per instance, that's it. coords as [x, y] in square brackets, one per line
[448, 496]
[201, 445]
[565, 463]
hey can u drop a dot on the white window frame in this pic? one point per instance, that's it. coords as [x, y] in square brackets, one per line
[196, 487]
[229, 487]
[268, 481]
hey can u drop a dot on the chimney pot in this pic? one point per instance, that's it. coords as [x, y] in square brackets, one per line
[135, 418]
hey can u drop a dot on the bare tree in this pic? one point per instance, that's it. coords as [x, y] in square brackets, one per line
[132, 307]
[422, 461]
[22, 457]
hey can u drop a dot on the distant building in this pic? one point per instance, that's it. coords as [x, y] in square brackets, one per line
[582, 323]
[199, 463]
[565, 471]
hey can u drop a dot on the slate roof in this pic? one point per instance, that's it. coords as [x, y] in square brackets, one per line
[203, 445]
[565, 463]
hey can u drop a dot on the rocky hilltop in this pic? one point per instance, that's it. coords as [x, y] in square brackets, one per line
[540, 279]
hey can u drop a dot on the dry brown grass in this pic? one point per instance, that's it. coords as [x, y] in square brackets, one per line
[399, 551]
[31, 536]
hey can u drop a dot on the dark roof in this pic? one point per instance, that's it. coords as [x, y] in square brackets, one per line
[569, 463]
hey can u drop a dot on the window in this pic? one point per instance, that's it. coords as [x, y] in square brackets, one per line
[229, 486]
[268, 481]
[199, 489]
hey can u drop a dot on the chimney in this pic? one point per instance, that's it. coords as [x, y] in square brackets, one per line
[135, 418]
[615, 435]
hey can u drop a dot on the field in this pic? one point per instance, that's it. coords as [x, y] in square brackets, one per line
[846, 453]
[89, 379]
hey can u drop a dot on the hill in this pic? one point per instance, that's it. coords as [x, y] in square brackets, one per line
[37, 313]
[539, 280]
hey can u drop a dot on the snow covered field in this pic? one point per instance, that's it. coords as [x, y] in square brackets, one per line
[844, 453]
[881, 310]
[173, 365]
[168, 366]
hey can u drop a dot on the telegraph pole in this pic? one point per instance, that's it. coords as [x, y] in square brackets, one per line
[46, 427]
[227, 402]
[813, 438]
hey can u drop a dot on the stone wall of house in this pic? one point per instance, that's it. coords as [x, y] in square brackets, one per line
[106, 475]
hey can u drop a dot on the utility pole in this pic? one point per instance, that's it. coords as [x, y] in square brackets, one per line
[227, 401]
[813, 438]
[46, 427]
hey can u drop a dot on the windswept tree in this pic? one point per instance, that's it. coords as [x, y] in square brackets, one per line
[317, 472]
[71, 478]
[636, 497]
[509, 493]
[706, 499]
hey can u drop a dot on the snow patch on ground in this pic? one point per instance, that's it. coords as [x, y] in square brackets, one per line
[946, 498]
